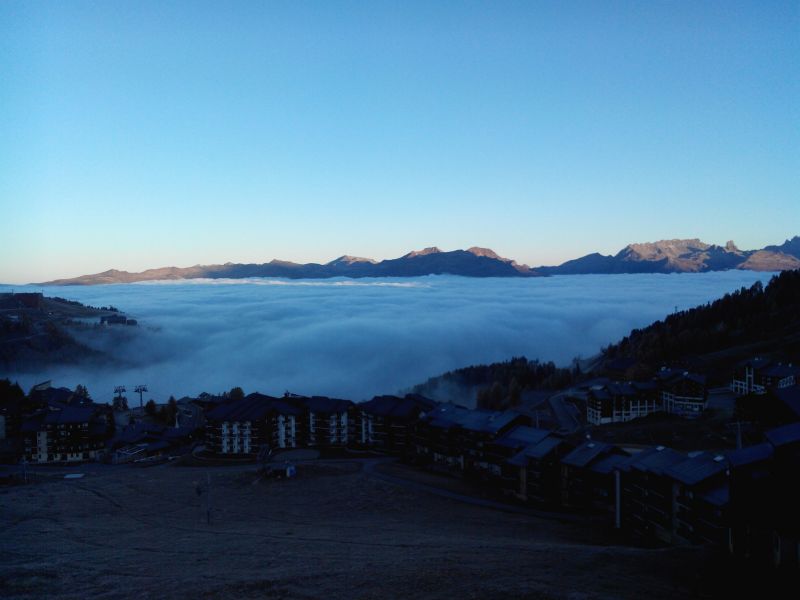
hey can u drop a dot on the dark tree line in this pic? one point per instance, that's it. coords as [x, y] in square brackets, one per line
[747, 316]
[164, 413]
[501, 385]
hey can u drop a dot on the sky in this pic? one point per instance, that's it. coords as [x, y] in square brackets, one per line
[145, 134]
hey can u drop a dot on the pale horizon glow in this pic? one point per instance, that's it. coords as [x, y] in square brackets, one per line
[151, 134]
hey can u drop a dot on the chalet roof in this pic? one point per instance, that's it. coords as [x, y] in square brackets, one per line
[284, 407]
[790, 396]
[607, 464]
[381, 405]
[697, 469]
[674, 376]
[252, 408]
[208, 401]
[757, 362]
[484, 421]
[656, 460]
[644, 386]
[543, 448]
[69, 415]
[408, 407]
[750, 455]
[522, 436]
[630, 389]
[779, 370]
[585, 453]
[594, 382]
[33, 423]
[135, 433]
[323, 404]
[600, 393]
[423, 401]
[621, 388]
[788, 434]
[51, 395]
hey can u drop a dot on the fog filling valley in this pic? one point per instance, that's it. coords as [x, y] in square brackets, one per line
[358, 338]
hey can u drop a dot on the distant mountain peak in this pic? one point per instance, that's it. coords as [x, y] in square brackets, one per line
[487, 252]
[730, 246]
[475, 262]
[664, 248]
[683, 256]
[664, 256]
[423, 252]
[346, 259]
[790, 247]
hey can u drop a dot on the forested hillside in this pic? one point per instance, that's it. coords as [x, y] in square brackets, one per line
[710, 338]
[497, 385]
[766, 318]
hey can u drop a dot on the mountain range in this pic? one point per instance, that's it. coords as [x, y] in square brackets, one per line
[683, 256]
[666, 256]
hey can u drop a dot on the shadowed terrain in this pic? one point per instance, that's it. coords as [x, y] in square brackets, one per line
[334, 532]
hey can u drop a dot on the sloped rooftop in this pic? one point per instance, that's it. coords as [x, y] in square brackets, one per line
[522, 436]
[586, 453]
[750, 455]
[407, 407]
[788, 434]
[656, 460]
[323, 404]
[542, 449]
[252, 408]
[698, 468]
[607, 464]
[484, 421]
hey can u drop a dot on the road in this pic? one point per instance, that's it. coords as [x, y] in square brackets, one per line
[564, 412]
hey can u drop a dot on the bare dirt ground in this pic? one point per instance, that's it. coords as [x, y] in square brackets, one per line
[334, 532]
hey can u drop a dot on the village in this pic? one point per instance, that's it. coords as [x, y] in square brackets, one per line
[741, 501]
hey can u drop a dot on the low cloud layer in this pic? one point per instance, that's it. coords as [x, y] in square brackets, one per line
[354, 339]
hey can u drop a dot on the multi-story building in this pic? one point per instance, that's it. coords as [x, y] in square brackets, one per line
[587, 478]
[757, 375]
[460, 438]
[254, 423]
[683, 393]
[699, 499]
[618, 402]
[327, 421]
[387, 422]
[533, 472]
[646, 493]
[764, 496]
[65, 434]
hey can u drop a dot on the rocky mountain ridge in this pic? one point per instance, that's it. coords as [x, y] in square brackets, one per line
[664, 256]
[475, 262]
[682, 256]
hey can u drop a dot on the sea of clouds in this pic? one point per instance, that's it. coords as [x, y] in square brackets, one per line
[357, 338]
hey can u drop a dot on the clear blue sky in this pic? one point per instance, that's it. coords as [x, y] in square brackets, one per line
[145, 134]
